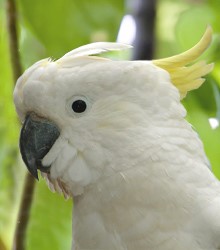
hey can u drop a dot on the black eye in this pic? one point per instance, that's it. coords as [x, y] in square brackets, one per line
[79, 106]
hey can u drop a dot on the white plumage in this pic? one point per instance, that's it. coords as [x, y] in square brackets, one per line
[94, 49]
[136, 169]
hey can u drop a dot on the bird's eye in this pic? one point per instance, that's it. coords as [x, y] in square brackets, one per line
[79, 106]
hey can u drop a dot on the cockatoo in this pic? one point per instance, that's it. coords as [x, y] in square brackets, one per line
[113, 135]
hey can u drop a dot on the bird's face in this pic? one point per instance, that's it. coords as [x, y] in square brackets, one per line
[84, 118]
[81, 123]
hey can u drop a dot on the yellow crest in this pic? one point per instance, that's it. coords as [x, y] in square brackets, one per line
[184, 74]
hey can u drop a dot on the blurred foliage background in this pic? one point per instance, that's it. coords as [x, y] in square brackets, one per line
[50, 29]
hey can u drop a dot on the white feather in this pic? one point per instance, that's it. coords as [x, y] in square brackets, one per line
[96, 48]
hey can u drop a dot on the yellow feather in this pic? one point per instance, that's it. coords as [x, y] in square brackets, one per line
[185, 75]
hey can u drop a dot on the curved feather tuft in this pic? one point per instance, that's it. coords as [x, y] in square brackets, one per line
[185, 75]
[95, 48]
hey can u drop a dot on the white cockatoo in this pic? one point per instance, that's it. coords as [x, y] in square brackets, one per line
[113, 135]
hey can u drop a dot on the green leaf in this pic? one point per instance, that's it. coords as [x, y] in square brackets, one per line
[166, 44]
[204, 97]
[62, 25]
[192, 24]
[210, 137]
[214, 5]
[50, 221]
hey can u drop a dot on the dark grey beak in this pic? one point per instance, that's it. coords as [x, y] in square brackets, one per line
[36, 139]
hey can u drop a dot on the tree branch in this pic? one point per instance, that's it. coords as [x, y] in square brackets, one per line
[2, 245]
[144, 12]
[24, 213]
[29, 183]
[13, 39]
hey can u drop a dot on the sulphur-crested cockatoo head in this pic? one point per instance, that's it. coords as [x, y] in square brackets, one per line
[86, 118]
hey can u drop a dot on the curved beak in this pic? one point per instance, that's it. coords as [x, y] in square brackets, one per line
[36, 139]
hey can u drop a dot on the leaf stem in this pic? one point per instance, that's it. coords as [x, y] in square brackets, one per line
[29, 183]
[24, 213]
[13, 39]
